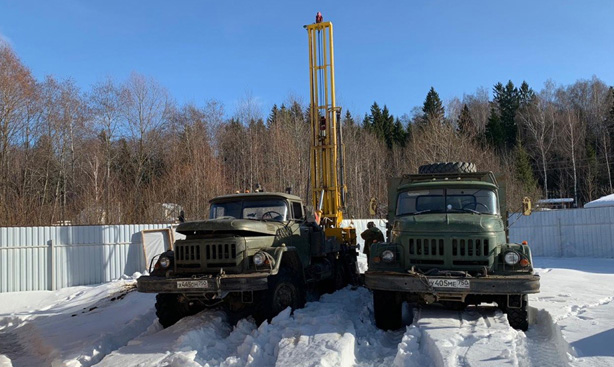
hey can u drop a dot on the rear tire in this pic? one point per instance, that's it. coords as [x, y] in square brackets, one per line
[170, 310]
[447, 167]
[387, 310]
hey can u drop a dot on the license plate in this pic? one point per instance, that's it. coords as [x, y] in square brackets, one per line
[192, 284]
[449, 283]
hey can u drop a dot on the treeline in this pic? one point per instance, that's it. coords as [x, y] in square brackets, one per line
[122, 151]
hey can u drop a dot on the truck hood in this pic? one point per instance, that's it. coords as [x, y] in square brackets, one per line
[449, 223]
[226, 225]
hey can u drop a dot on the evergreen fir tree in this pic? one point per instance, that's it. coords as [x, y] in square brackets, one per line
[495, 133]
[433, 107]
[385, 126]
[348, 120]
[465, 122]
[372, 122]
[273, 116]
[524, 170]
[525, 94]
[508, 99]
[399, 134]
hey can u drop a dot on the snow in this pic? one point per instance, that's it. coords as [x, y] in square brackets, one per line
[113, 325]
[603, 201]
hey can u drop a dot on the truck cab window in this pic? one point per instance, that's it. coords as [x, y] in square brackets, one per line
[297, 211]
[267, 209]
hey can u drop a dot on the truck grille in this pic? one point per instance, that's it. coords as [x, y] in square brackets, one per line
[470, 252]
[426, 246]
[454, 253]
[197, 255]
[221, 251]
[187, 252]
[426, 251]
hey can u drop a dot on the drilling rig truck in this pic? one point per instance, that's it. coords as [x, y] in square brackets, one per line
[259, 253]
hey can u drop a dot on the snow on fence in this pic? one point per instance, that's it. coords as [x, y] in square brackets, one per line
[586, 232]
[49, 258]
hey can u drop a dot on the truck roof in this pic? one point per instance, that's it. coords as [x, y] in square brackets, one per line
[477, 177]
[256, 195]
[449, 183]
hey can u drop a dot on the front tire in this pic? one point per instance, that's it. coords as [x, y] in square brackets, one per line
[170, 309]
[387, 310]
[285, 290]
[519, 317]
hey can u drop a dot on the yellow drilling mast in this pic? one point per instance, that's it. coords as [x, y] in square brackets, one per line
[327, 149]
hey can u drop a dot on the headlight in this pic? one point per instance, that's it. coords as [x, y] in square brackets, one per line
[259, 258]
[511, 258]
[388, 256]
[165, 262]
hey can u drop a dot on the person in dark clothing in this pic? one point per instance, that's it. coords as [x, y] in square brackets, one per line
[371, 235]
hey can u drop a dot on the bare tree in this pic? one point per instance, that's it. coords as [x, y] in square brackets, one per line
[538, 120]
[145, 112]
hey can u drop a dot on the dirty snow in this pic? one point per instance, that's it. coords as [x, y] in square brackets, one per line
[113, 325]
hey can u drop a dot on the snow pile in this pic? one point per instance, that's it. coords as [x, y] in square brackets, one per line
[603, 201]
[112, 325]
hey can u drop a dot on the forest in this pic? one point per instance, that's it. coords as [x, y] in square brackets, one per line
[121, 151]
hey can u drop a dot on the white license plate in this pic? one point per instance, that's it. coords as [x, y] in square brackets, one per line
[449, 283]
[192, 284]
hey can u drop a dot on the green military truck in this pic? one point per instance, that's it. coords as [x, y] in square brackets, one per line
[448, 245]
[257, 254]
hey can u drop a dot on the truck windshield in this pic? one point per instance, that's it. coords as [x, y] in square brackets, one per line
[469, 200]
[268, 209]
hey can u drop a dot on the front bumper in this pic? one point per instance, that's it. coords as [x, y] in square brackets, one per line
[217, 283]
[488, 285]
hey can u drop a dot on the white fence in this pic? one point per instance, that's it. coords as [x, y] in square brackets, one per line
[48, 258]
[584, 232]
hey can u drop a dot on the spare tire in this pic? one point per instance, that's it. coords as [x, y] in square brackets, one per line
[447, 167]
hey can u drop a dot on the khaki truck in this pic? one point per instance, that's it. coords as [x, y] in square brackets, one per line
[257, 254]
[448, 245]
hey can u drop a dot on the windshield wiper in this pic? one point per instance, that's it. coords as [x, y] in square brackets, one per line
[467, 210]
[423, 211]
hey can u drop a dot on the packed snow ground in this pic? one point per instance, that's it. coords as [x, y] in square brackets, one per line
[113, 325]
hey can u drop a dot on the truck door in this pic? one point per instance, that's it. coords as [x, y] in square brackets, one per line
[300, 232]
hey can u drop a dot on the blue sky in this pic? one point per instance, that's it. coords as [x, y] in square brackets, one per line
[389, 52]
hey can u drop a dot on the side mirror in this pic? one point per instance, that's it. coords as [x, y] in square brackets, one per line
[526, 206]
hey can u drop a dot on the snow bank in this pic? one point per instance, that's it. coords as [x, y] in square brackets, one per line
[112, 325]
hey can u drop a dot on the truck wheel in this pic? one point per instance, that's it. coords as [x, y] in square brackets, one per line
[284, 291]
[169, 310]
[338, 281]
[387, 310]
[519, 317]
[455, 306]
[447, 167]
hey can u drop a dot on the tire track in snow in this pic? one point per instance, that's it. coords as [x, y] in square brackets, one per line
[482, 336]
[18, 352]
[476, 337]
[543, 344]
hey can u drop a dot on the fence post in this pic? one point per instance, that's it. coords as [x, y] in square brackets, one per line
[560, 237]
[51, 265]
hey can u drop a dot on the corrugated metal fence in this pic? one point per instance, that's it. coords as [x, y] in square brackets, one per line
[47, 258]
[44, 258]
[584, 232]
